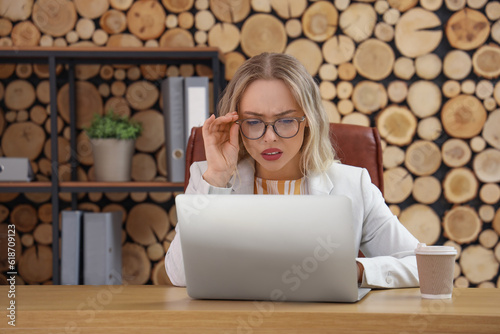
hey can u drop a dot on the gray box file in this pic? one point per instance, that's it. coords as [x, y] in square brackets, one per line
[173, 114]
[102, 252]
[15, 169]
[71, 225]
[195, 103]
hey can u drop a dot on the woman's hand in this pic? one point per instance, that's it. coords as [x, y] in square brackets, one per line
[221, 148]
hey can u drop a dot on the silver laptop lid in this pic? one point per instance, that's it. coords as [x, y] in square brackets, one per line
[268, 247]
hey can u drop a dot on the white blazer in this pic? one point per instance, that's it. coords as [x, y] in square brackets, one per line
[388, 246]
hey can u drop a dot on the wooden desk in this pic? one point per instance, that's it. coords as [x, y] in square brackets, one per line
[160, 309]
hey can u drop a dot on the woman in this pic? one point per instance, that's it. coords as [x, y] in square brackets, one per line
[272, 137]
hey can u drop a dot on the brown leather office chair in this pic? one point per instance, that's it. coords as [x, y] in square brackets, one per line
[355, 145]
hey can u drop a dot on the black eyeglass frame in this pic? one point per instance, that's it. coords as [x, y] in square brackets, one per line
[266, 124]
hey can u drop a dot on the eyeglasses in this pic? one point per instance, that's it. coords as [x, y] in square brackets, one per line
[253, 128]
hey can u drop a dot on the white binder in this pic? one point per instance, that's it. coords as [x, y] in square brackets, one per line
[196, 102]
[71, 223]
[15, 169]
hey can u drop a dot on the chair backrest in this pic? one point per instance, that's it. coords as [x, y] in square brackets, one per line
[355, 145]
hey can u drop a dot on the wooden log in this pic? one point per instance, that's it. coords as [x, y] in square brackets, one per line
[204, 20]
[161, 162]
[455, 5]
[116, 207]
[43, 234]
[347, 71]
[289, 8]
[485, 165]
[113, 22]
[477, 144]
[91, 9]
[489, 104]
[496, 222]
[87, 98]
[45, 213]
[24, 71]
[116, 196]
[16, 10]
[230, 11]
[486, 213]
[142, 95]
[146, 19]
[42, 70]
[136, 267]
[404, 68]
[432, 5]
[422, 222]
[43, 92]
[307, 52]
[458, 248]
[488, 238]
[55, 19]
[456, 152]
[19, 95]
[451, 88]
[6, 42]
[4, 213]
[24, 217]
[356, 118]
[461, 224]
[232, 63]
[490, 129]
[155, 251]
[177, 37]
[35, 264]
[492, 10]
[358, 21]
[293, 28]
[468, 86]
[338, 49]
[100, 37]
[161, 197]
[121, 4]
[89, 207]
[374, 59]
[327, 90]
[423, 158]
[22, 116]
[6, 70]
[384, 32]
[486, 61]
[328, 72]
[60, 125]
[147, 223]
[123, 40]
[95, 196]
[426, 189]
[391, 16]
[25, 34]
[478, 264]
[178, 6]
[397, 91]
[463, 116]
[27, 240]
[119, 105]
[402, 5]
[138, 196]
[159, 275]
[46, 40]
[5, 27]
[345, 106]
[319, 21]
[398, 184]
[428, 66]
[134, 73]
[8, 197]
[393, 156]
[262, 32]
[344, 89]
[369, 96]
[118, 88]
[429, 128]
[484, 89]
[225, 36]
[460, 185]
[106, 72]
[143, 167]
[424, 98]
[467, 29]
[415, 34]
[24, 139]
[10, 116]
[186, 20]
[85, 28]
[397, 125]
[461, 282]
[61, 42]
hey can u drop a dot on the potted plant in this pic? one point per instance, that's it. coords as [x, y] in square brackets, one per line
[113, 140]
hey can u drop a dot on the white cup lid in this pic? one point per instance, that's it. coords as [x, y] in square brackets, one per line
[423, 249]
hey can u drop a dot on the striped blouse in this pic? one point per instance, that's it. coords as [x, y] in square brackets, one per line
[280, 187]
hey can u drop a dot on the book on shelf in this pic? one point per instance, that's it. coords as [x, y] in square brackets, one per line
[71, 242]
[172, 89]
[196, 109]
[102, 250]
[15, 169]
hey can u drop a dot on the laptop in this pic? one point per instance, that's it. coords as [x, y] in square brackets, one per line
[268, 247]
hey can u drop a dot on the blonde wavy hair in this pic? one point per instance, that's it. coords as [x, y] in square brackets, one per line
[317, 151]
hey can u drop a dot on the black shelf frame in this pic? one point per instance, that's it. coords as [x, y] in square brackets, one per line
[53, 56]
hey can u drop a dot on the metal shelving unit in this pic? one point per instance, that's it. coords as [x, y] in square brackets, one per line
[70, 57]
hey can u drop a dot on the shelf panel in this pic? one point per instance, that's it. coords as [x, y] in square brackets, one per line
[76, 186]
[35, 187]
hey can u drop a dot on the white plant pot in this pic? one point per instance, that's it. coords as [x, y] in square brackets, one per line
[113, 159]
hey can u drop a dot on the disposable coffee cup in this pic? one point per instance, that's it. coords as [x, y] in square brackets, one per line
[435, 265]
